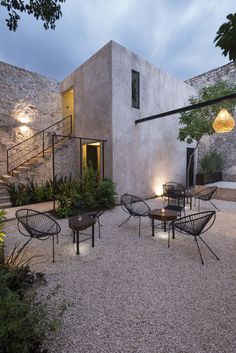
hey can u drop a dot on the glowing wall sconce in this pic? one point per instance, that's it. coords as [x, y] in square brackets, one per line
[23, 119]
[24, 129]
[224, 122]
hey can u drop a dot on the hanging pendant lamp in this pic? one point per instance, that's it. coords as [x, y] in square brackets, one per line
[224, 122]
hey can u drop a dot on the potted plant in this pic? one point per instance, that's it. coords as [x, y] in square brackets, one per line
[210, 168]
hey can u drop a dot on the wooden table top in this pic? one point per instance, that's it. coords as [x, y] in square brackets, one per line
[166, 215]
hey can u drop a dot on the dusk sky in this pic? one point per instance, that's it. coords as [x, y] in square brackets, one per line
[175, 35]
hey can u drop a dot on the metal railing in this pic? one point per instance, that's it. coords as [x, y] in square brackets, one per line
[37, 144]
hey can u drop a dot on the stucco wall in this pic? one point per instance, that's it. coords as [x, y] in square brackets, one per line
[26, 98]
[92, 101]
[147, 155]
[224, 143]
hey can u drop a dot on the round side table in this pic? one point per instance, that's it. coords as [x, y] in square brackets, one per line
[162, 215]
[78, 223]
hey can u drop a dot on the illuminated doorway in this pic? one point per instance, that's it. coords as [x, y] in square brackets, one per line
[68, 105]
[92, 156]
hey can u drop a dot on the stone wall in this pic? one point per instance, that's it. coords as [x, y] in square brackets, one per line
[41, 171]
[224, 143]
[29, 103]
[223, 73]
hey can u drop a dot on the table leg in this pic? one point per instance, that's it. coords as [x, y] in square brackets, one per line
[153, 234]
[93, 236]
[77, 242]
[173, 231]
[191, 202]
[164, 226]
[73, 234]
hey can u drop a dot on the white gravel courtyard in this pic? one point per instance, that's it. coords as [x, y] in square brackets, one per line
[132, 294]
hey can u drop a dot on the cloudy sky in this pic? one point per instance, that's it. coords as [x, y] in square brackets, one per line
[175, 35]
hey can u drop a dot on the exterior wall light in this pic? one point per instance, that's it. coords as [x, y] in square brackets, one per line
[23, 119]
[24, 129]
[224, 122]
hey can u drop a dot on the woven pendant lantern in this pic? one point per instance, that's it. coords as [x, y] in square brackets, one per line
[224, 122]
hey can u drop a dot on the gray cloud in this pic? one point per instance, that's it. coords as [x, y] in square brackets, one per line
[175, 35]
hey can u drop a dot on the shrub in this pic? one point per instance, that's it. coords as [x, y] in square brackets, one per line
[64, 205]
[93, 193]
[212, 162]
[105, 194]
[2, 235]
[25, 317]
[18, 194]
[33, 192]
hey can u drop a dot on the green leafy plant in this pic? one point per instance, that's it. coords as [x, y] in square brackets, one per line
[105, 193]
[26, 317]
[34, 191]
[93, 194]
[18, 194]
[212, 162]
[48, 11]
[64, 208]
[2, 235]
[226, 37]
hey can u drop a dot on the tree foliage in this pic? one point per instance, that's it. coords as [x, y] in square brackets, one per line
[47, 10]
[226, 37]
[198, 122]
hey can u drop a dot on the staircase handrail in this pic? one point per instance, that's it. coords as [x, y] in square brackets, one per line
[69, 118]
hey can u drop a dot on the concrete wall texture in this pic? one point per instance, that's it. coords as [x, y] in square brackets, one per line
[92, 84]
[223, 143]
[138, 158]
[146, 155]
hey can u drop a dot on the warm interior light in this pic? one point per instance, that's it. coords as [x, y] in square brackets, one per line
[224, 122]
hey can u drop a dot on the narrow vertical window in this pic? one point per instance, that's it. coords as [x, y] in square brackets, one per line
[135, 89]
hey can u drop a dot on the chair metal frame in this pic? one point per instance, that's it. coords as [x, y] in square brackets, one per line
[206, 194]
[128, 208]
[187, 225]
[24, 216]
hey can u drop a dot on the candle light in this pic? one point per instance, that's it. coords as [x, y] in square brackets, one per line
[163, 210]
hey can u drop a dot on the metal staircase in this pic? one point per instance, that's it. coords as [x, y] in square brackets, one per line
[37, 146]
[32, 152]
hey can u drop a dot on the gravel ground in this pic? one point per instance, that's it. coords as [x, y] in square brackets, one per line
[133, 294]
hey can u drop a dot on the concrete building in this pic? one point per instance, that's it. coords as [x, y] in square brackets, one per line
[105, 96]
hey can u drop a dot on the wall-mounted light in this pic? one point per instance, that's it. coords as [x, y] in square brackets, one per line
[24, 129]
[23, 119]
[224, 122]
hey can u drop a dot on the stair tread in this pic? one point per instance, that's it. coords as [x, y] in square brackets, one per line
[5, 204]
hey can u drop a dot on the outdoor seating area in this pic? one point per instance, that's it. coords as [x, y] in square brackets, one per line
[142, 294]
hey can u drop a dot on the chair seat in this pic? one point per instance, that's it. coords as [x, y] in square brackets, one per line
[195, 225]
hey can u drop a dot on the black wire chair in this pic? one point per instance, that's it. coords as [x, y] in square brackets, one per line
[135, 207]
[176, 203]
[37, 225]
[206, 195]
[171, 189]
[195, 225]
